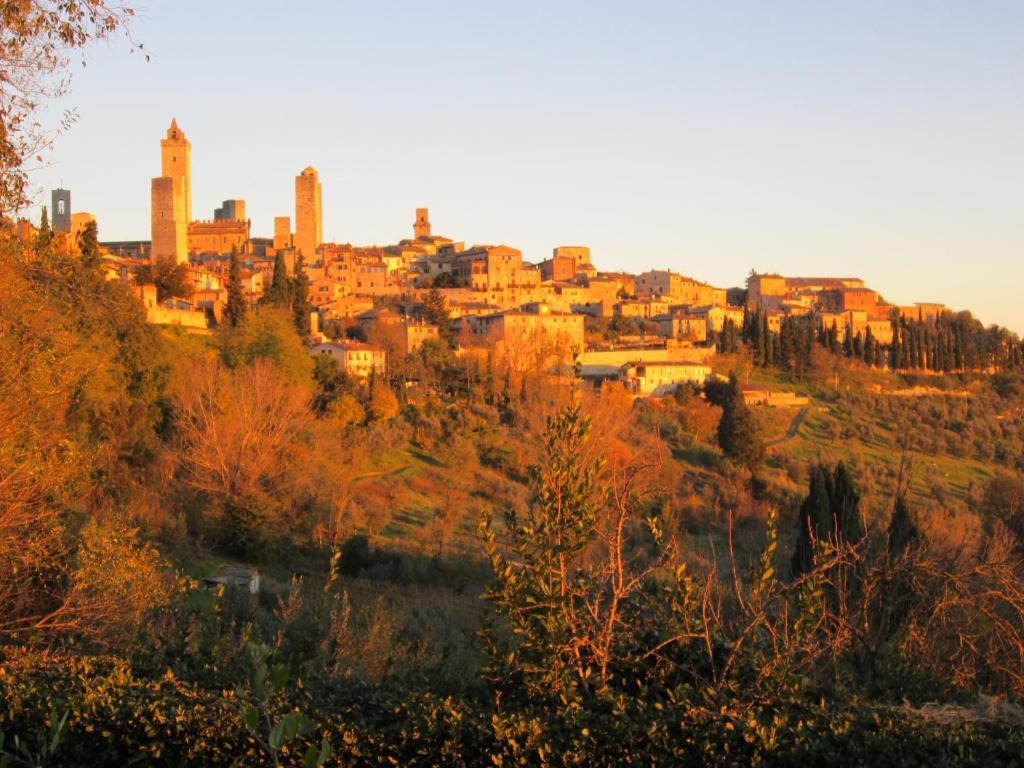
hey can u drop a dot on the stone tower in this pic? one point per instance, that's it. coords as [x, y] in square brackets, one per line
[169, 230]
[176, 162]
[171, 201]
[308, 213]
[230, 210]
[421, 228]
[282, 232]
[60, 210]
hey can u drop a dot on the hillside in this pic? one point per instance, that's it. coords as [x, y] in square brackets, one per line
[471, 564]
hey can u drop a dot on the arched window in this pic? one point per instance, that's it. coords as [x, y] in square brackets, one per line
[60, 207]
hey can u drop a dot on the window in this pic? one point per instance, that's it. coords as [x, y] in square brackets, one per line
[60, 207]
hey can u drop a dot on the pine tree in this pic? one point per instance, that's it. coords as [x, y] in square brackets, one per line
[236, 304]
[738, 434]
[300, 297]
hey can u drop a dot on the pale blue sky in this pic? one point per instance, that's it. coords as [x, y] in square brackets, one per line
[882, 139]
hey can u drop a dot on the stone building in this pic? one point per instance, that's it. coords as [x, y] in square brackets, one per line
[558, 269]
[580, 255]
[661, 377]
[923, 312]
[683, 327]
[642, 309]
[678, 289]
[489, 268]
[528, 327]
[218, 237]
[308, 214]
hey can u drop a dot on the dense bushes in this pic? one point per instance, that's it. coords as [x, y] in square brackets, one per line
[115, 717]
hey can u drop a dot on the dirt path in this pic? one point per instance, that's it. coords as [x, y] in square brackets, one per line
[794, 427]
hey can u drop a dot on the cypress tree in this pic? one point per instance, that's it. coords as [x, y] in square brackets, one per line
[300, 297]
[279, 292]
[236, 307]
[846, 506]
[829, 512]
[896, 353]
[738, 434]
[869, 347]
[903, 532]
[815, 515]
[89, 247]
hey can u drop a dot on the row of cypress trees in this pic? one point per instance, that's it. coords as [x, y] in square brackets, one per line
[951, 344]
[287, 292]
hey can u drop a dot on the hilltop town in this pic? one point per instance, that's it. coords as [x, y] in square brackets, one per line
[269, 499]
[652, 330]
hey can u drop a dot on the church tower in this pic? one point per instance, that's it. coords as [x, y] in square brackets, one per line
[421, 228]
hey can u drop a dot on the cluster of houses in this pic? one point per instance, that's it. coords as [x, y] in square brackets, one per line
[494, 298]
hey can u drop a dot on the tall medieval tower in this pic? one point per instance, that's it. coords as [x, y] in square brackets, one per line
[308, 213]
[176, 162]
[171, 202]
[421, 228]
